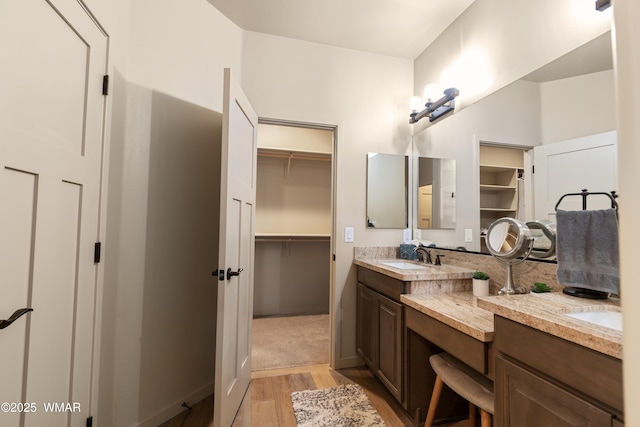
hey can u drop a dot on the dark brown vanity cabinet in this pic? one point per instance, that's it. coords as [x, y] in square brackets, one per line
[379, 327]
[542, 380]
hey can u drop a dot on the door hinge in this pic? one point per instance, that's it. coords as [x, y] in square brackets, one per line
[533, 168]
[105, 84]
[96, 252]
[90, 422]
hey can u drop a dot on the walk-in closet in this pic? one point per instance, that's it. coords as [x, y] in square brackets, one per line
[293, 229]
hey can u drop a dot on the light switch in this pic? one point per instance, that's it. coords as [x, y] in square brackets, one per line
[348, 234]
[406, 235]
[468, 235]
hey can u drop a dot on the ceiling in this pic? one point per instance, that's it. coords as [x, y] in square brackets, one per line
[400, 28]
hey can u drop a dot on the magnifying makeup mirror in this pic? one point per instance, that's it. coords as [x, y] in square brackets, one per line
[509, 241]
[543, 232]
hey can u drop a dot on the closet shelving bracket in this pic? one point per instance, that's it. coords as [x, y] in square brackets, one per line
[290, 155]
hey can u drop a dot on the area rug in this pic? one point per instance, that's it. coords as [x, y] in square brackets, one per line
[346, 405]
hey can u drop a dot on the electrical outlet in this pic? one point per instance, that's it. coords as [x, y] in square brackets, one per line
[468, 235]
[348, 234]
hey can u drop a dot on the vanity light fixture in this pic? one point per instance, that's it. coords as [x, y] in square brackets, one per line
[437, 109]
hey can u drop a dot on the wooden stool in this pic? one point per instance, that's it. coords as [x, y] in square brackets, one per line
[466, 382]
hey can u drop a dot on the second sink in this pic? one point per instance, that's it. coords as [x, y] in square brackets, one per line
[608, 319]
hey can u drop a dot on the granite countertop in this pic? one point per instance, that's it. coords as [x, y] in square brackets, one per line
[427, 272]
[474, 315]
[458, 310]
[546, 312]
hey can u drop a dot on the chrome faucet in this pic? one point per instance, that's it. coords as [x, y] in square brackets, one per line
[423, 254]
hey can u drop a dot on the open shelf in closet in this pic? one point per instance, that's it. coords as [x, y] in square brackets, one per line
[293, 221]
[293, 154]
[500, 168]
[306, 238]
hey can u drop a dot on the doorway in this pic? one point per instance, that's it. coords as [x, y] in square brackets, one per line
[294, 223]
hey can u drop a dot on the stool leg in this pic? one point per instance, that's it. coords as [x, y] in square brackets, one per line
[472, 415]
[485, 418]
[433, 404]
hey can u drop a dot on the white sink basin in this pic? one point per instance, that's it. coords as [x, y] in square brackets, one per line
[404, 265]
[608, 319]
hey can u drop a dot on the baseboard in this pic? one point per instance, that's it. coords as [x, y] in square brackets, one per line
[348, 362]
[176, 408]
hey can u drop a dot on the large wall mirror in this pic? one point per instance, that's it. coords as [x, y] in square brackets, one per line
[387, 190]
[436, 193]
[551, 110]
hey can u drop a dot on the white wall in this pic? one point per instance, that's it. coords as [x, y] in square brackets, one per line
[627, 64]
[495, 42]
[366, 96]
[157, 342]
[577, 106]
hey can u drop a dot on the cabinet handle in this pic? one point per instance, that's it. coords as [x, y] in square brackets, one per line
[14, 317]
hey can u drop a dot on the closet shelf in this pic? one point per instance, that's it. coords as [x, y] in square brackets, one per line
[498, 210]
[493, 187]
[284, 237]
[294, 154]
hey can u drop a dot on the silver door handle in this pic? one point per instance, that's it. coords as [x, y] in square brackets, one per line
[14, 317]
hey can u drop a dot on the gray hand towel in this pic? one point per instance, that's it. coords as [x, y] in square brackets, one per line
[587, 249]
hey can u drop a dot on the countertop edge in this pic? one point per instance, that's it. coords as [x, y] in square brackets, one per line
[539, 316]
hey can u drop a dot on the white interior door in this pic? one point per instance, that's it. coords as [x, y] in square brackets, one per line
[51, 120]
[571, 166]
[236, 258]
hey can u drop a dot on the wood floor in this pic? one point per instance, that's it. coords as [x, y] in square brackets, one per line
[268, 400]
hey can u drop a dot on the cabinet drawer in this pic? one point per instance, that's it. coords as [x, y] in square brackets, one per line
[387, 286]
[460, 345]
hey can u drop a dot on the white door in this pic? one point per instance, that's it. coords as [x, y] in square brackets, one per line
[51, 119]
[236, 259]
[571, 166]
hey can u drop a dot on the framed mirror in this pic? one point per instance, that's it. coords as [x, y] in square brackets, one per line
[387, 190]
[436, 193]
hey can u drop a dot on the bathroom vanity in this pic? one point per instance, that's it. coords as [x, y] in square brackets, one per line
[381, 317]
[549, 365]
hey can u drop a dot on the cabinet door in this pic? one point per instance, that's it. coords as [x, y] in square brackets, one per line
[366, 307]
[524, 399]
[390, 344]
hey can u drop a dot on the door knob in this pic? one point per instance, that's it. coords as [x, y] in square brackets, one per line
[219, 274]
[14, 317]
[231, 273]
